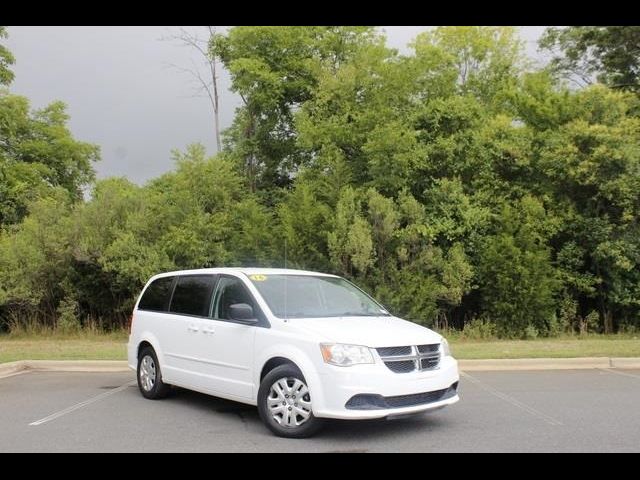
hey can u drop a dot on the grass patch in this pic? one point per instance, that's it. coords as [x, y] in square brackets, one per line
[561, 347]
[83, 345]
[92, 345]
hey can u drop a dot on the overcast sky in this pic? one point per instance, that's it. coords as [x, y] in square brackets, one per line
[123, 95]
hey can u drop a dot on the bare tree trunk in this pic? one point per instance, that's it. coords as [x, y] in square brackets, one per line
[207, 84]
[214, 77]
[608, 322]
[217, 119]
[582, 325]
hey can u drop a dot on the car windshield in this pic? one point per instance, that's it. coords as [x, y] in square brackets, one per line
[308, 296]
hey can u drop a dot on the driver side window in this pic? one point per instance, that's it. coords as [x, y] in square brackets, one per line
[230, 291]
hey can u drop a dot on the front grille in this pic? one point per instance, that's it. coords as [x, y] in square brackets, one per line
[366, 401]
[429, 363]
[429, 348]
[405, 359]
[402, 366]
[394, 351]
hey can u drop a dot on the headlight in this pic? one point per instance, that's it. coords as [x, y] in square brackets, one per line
[446, 350]
[345, 355]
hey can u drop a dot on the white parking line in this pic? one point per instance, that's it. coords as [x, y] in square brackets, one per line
[503, 396]
[80, 405]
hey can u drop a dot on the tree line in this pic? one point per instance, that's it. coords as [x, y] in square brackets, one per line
[459, 183]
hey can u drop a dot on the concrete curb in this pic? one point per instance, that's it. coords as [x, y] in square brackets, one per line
[23, 366]
[544, 364]
[79, 365]
[12, 368]
[628, 362]
[15, 368]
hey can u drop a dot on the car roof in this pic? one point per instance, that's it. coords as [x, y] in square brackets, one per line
[243, 270]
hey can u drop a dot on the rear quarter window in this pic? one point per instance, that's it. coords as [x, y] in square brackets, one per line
[157, 295]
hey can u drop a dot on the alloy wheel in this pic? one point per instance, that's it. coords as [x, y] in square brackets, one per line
[289, 402]
[147, 373]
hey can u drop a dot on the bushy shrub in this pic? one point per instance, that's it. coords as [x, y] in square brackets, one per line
[590, 323]
[568, 315]
[530, 333]
[479, 329]
[68, 321]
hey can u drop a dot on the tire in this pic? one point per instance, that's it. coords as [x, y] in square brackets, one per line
[150, 376]
[280, 410]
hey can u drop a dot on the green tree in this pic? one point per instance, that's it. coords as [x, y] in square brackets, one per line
[104, 288]
[34, 261]
[91, 258]
[274, 70]
[411, 290]
[357, 119]
[38, 152]
[204, 216]
[303, 223]
[384, 220]
[609, 53]
[478, 61]
[350, 243]
[418, 279]
[6, 60]
[592, 165]
[518, 282]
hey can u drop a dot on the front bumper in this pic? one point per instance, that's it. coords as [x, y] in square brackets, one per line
[342, 384]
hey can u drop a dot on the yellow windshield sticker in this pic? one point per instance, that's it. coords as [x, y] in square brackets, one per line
[258, 278]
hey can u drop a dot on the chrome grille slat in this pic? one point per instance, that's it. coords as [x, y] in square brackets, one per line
[402, 358]
[405, 359]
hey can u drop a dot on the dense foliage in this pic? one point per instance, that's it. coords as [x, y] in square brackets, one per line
[611, 53]
[455, 183]
[6, 59]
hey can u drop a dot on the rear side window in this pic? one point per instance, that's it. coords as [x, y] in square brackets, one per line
[192, 295]
[157, 295]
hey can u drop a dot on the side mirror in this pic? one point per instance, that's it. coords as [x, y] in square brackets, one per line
[242, 312]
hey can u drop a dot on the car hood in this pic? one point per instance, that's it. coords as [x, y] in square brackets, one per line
[368, 331]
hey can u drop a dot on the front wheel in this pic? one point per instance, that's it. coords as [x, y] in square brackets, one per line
[284, 403]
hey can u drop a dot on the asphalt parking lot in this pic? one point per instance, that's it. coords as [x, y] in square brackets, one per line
[554, 411]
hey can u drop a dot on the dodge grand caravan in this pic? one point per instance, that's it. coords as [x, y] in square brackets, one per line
[302, 346]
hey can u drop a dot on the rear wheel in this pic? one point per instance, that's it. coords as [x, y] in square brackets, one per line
[150, 376]
[284, 403]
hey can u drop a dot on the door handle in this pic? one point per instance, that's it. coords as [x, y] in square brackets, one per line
[192, 328]
[209, 330]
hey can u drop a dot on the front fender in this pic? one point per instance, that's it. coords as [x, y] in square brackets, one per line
[300, 358]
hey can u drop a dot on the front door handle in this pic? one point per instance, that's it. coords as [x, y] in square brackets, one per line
[209, 330]
[192, 328]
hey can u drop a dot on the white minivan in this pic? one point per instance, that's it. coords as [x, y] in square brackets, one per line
[302, 346]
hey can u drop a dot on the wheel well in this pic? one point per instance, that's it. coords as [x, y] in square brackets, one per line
[273, 363]
[142, 346]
